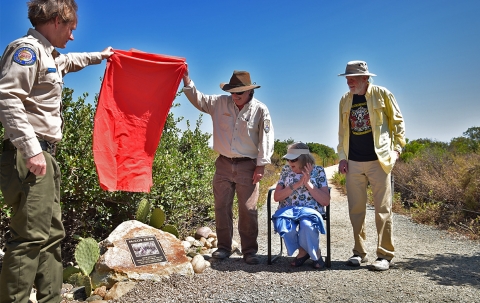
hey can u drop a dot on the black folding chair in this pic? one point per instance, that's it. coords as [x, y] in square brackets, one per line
[326, 219]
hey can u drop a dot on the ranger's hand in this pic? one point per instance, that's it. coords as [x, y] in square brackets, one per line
[258, 174]
[186, 78]
[37, 165]
[106, 53]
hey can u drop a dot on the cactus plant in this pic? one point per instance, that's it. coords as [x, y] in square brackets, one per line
[143, 210]
[170, 229]
[68, 271]
[87, 253]
[157, 218]
[79, 279]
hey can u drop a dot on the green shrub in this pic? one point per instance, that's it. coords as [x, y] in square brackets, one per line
[442, 188]
[339, 179]
[326, 154]
[183, 170]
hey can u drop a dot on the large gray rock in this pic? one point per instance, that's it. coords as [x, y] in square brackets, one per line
[116, 265]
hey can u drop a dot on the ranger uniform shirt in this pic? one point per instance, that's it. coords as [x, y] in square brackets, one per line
[31, 84]
[236, 133]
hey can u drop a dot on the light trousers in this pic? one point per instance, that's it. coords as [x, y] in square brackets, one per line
[306, 237]
[359, 175]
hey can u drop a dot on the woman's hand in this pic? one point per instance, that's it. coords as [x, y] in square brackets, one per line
[307, 170]
[321, 195]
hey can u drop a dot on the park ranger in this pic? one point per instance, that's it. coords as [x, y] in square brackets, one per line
[31, 72]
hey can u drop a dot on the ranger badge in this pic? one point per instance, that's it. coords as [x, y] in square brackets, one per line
[25, 56]
[266, 125]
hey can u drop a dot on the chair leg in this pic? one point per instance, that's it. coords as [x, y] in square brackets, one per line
[329, 253]
[269, 227]
[279, 254]
[270, 260]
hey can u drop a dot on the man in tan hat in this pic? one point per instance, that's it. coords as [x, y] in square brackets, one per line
[243, 137]
[371, 136]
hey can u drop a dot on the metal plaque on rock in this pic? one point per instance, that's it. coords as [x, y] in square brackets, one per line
[145, 250]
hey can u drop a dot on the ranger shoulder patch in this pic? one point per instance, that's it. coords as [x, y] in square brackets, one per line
[25, 56]
[266, 125]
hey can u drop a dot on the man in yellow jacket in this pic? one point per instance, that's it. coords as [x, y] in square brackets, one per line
[371, 136]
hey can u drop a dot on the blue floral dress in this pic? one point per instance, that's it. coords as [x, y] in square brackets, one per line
[301, 196]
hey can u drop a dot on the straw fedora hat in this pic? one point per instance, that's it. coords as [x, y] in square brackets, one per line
[357, 68]
[239, 82]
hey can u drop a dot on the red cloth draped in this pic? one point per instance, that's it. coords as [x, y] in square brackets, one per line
[137, 92]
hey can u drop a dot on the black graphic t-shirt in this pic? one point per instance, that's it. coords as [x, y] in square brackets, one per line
[361, 147]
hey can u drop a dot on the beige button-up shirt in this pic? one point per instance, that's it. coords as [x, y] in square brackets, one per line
[236, 133]
[31, 84]
[387, 124]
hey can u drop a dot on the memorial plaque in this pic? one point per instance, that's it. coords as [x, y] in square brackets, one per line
[145, 250]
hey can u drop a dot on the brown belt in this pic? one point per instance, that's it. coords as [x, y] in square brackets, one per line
[240, 159]
[50, 148]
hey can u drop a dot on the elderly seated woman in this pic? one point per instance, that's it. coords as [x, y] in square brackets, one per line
[302, 192]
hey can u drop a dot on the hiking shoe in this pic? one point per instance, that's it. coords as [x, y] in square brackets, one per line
[251, 259]
[381, 264]
[221, 253]
[355, 260]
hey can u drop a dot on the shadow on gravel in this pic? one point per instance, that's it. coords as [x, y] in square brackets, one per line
[447, 269]
[281, 265]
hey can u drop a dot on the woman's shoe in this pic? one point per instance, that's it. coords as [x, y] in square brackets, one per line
[318, 264]
[299, 261]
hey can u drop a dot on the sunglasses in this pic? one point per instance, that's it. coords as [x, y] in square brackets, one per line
[240, 93]
[293, 161]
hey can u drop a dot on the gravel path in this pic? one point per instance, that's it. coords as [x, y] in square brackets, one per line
[430, 266]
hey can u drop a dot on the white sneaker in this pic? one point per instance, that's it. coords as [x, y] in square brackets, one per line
[381, 264]
[355, 260]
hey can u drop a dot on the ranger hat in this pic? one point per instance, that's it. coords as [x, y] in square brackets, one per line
[239, 82]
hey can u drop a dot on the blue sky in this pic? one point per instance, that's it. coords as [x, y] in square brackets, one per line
[425, 52]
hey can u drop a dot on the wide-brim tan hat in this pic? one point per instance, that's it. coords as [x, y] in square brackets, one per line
[295, 153]
[357, 68]
[239, 82]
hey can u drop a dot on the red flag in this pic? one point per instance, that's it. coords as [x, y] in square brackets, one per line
[137, 92]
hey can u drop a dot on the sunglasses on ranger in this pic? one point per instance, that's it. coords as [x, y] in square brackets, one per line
[239, 93]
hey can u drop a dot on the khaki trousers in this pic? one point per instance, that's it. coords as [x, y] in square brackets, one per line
[232, 177]
[33, 254]
[358, 176]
